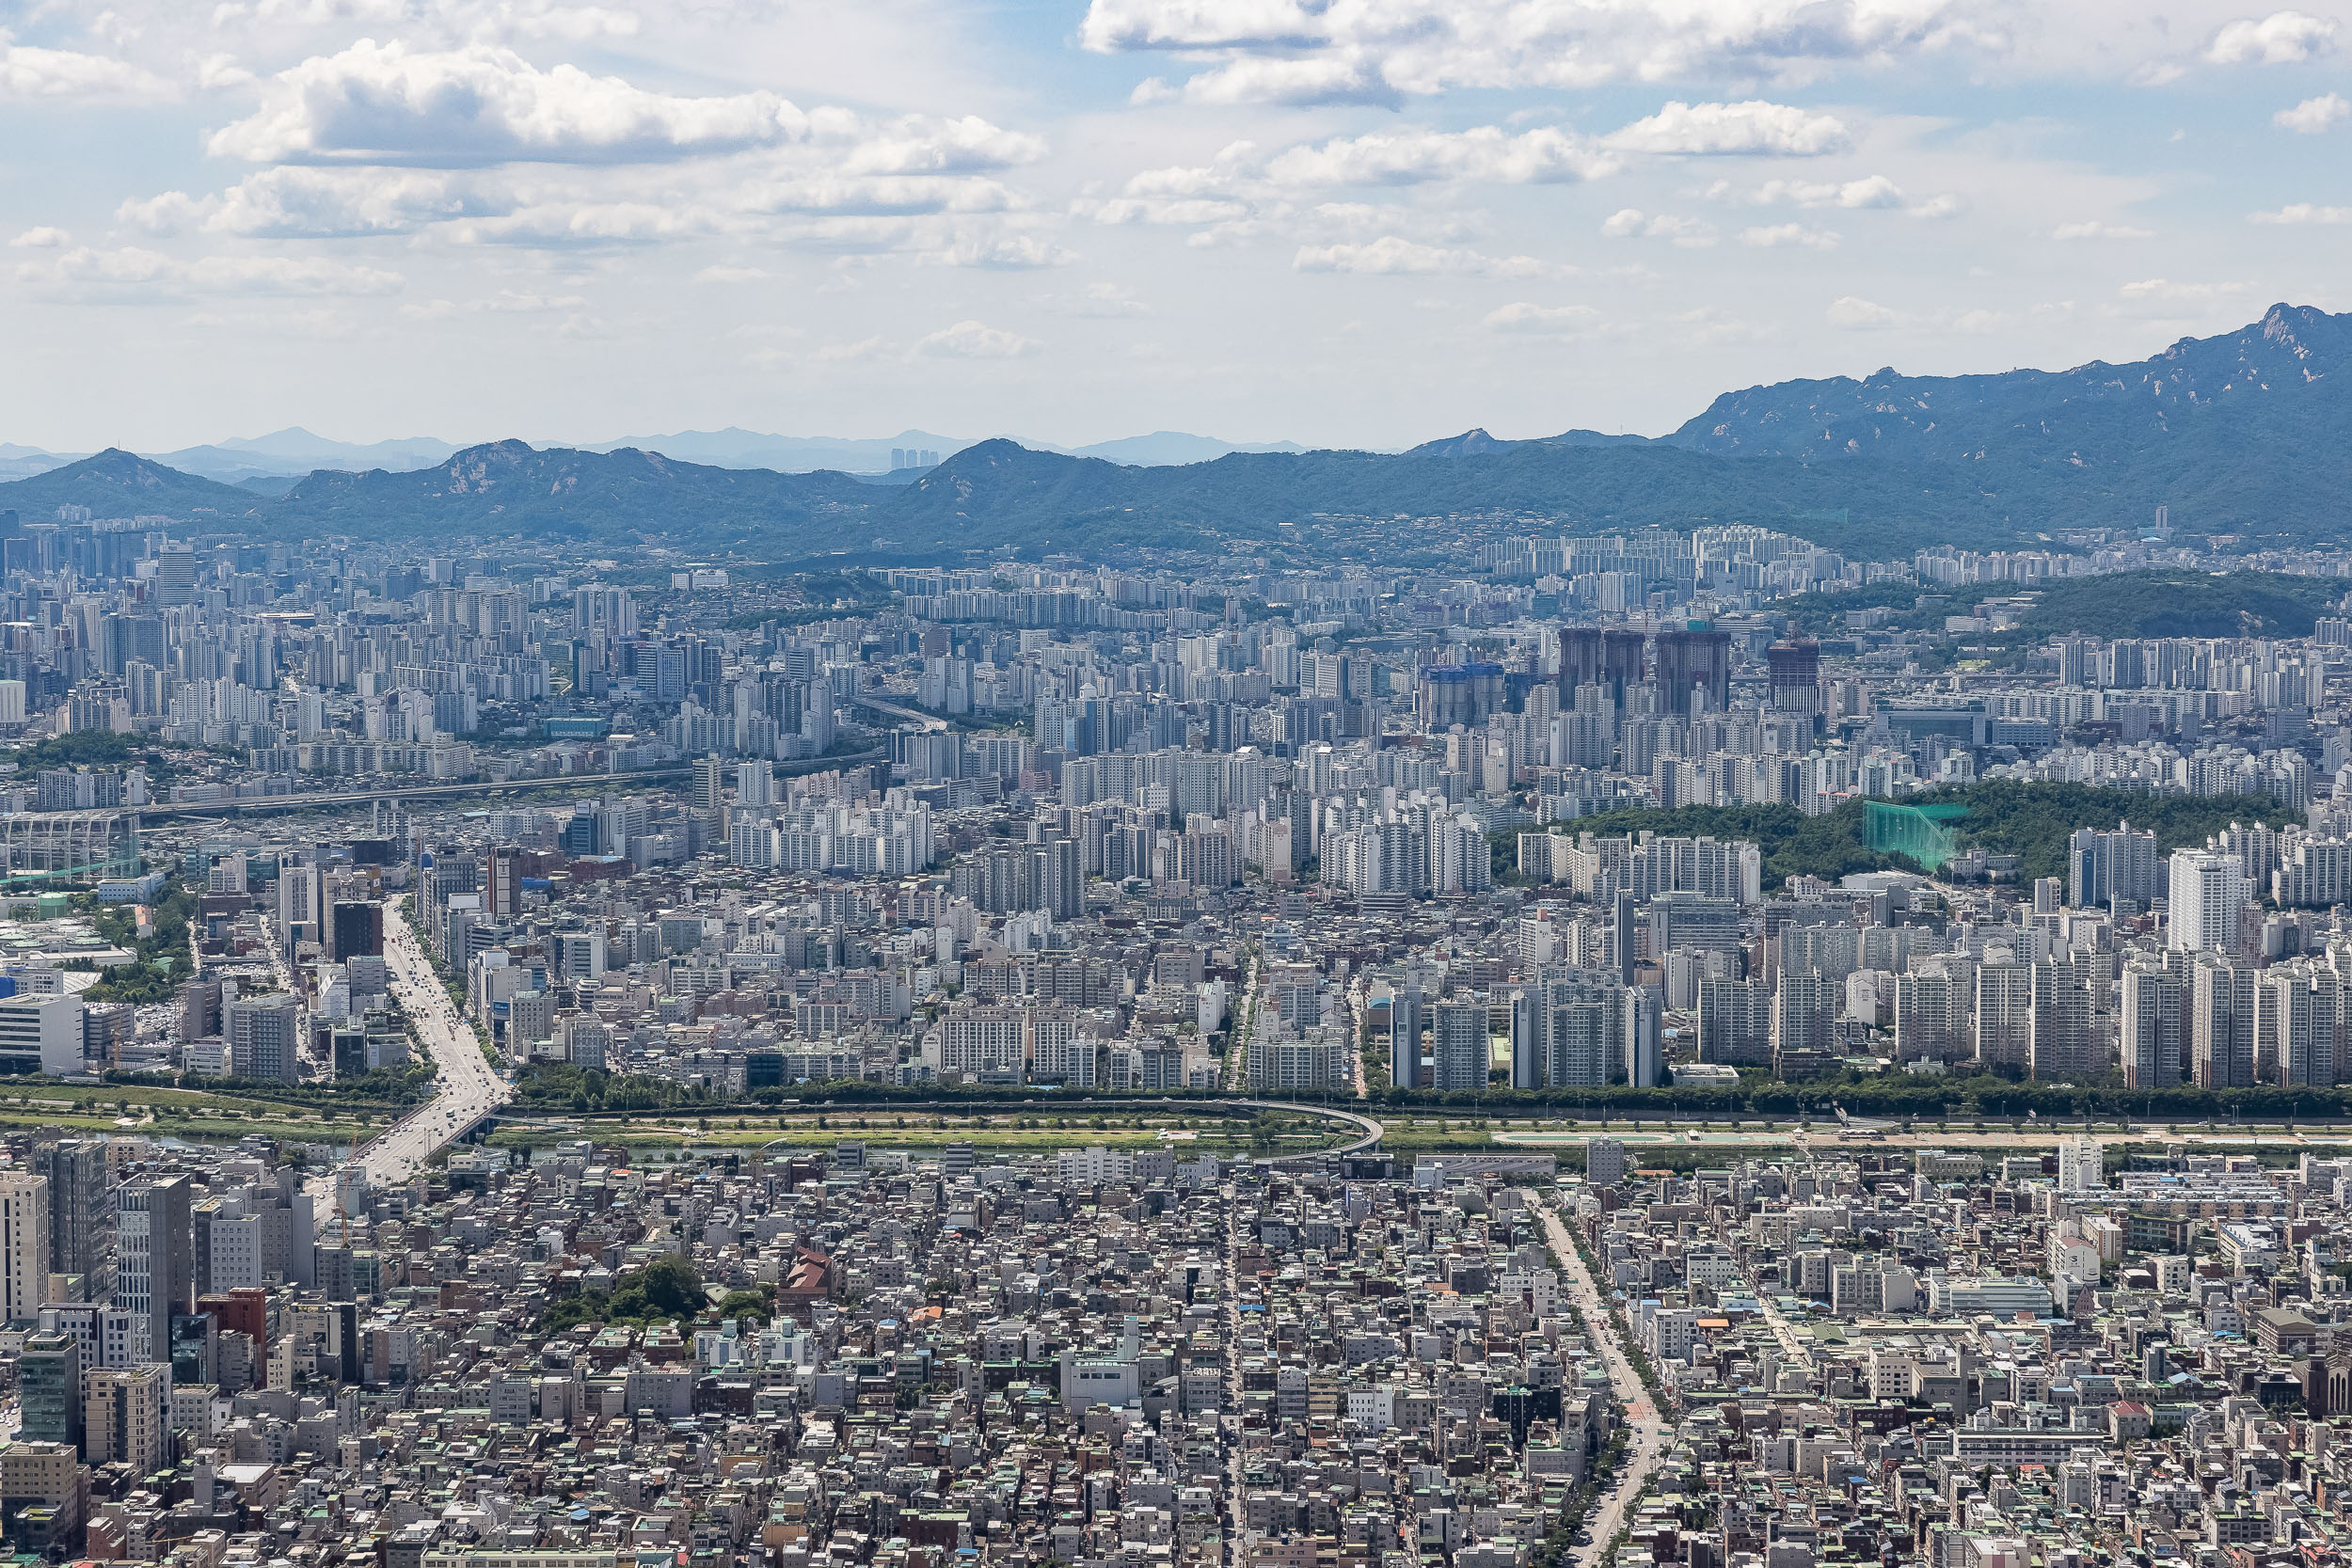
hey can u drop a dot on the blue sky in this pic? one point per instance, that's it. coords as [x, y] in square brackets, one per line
[1364, 222]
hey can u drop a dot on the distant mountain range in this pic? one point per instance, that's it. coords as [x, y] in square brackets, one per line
[2246, 433]
[260, 462]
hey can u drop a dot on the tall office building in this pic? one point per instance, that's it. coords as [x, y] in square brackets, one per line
[263, 1032]
[1795, 670]
[1404, 1012]
[155, 1268]
[126, 1414]
[2208, 892]
[24, 1246]
[80, 1212]
[711, 776]
[1644, 1062]
[49, 1381]
[503, 882]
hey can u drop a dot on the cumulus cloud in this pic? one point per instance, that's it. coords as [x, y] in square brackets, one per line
[1393, 254]
[29, 72]
[385, 104]
[1487, 153]
[1751, 127]
[2304, 212]
[888, 195]
[584, 223]
[2093, 229]
[1874, 190]
[1299, 81]
[1774, 235]
[292, 202]
[1853, 313]
[2282, 38]
[972, 339]
[1291, 51]
[1631, 223]
[966, 145]
[43, 238]
[1521, 316]
[2315, 114]
[136, 272]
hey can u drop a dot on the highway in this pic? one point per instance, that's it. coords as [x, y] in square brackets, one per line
[1648, 1444]
[569, 783]
[466, 1086]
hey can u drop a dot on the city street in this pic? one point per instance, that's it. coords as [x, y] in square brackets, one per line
[1648, 1440]
[466, 1085]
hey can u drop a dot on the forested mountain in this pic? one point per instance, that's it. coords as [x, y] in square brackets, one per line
[2246, 434]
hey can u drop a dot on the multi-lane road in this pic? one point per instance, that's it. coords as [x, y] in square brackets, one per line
[1648, 1444]
[466, 1086]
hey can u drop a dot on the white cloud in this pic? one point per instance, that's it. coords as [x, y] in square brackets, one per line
[843, 353]
[29, 72]
[2304, 212]
[1751, 127]
[971, 339]
[1002, 252]
[586, 223]
[384, 103]
[1631, 223]
[1521, 316]
[1198, 209]
[1302, 82]
[1938, 207]
[1854, 313]
[966, 145]
[2282, 38]
[1291, 51]
[167, 213]
[2165, 290]
[1487, 153]
[2315, 114]
[732, 274]
[334, 202]
[1104, 301]
[43, 238]
[134, 272]
[1874, 190]
[2093, 229]
[1788, 234]
[883, 195]
[1393, 254]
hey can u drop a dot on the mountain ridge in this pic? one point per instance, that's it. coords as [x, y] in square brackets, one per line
[2244, 432]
